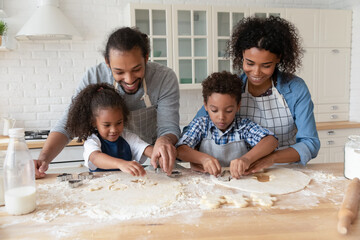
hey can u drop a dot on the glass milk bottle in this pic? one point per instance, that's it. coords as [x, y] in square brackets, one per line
[2, 158]
[352, 157]
[19, 175]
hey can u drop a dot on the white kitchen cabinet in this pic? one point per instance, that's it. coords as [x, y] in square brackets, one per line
[309, 71]
[192, 39]
[326, 64]
[192, 44]
[155, 21]
[267, 12]
[332, 144]
[335, 28]
[334, 75]
[307, 22]
[224, 20]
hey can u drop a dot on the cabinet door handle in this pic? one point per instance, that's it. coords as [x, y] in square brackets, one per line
[335, 51]
[331, 142]
[333, 116]
[331, 132]
[334, 107]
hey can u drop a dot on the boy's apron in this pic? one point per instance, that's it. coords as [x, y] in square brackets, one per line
[271, 112]
[143, 122]
[223, 153]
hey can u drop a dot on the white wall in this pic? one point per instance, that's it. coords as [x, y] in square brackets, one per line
[37, 79]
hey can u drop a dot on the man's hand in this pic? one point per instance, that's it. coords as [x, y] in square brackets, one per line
[164, 153]
[40, 168]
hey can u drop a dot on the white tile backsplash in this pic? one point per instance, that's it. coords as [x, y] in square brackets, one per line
[37, 79]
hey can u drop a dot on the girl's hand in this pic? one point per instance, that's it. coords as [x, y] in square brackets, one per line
[132, 167]
[212, 166]
[239, 166]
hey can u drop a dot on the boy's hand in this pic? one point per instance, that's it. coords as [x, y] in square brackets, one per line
[239, 166]
[132, 167]
[212, 166]
[197, 167]
[259, 165]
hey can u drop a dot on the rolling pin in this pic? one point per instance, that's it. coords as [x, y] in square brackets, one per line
[349, 207]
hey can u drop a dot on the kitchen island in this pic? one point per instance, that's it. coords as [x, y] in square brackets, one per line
[308, 214]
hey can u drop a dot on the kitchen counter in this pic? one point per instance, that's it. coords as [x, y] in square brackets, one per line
[314, 222]
[32, 144]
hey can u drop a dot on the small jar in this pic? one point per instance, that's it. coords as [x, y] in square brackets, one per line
[352, 157]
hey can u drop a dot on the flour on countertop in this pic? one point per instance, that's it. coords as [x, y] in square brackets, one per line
[153, 196]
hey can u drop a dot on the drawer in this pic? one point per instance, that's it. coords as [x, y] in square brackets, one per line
[334, 133]
[332, 108]
[331, 117]
[333, 142]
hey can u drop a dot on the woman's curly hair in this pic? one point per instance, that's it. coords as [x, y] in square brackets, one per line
[274, 34]
[224, 83]
[86, 105]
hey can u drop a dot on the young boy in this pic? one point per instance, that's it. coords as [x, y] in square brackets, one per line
[222, 137]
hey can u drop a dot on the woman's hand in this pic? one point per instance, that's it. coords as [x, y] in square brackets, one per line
[132, 167]
[239, 166]
[260, 164]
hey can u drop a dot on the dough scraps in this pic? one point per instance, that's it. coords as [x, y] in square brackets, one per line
[213, 201]
[263, 199]
[271, 181]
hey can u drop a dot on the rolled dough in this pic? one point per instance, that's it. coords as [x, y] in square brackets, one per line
[272, 181]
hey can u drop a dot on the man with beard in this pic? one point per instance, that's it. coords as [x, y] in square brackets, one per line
[150, 91]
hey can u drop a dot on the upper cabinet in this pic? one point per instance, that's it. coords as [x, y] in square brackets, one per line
[155, 21]
[224, 20]
[192, 44]
[335, 28]
[193, 39]
[267, 12]
[322, 28]
[307, 22]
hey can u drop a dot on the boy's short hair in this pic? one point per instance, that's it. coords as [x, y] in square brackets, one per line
[222, 82]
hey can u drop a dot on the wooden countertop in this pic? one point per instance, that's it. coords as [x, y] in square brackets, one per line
[4, 140]
[336, 125]
[317, 222]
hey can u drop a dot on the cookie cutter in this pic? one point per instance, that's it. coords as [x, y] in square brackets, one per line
[74, 183]
[225, 176]
[64, 177]
[175, 174]
[85, 175]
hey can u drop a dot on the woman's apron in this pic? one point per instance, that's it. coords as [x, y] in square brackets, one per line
[271, 112]
[224, 153]
[143, 122]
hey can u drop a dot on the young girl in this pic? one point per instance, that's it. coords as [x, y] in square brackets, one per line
[98, 115]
